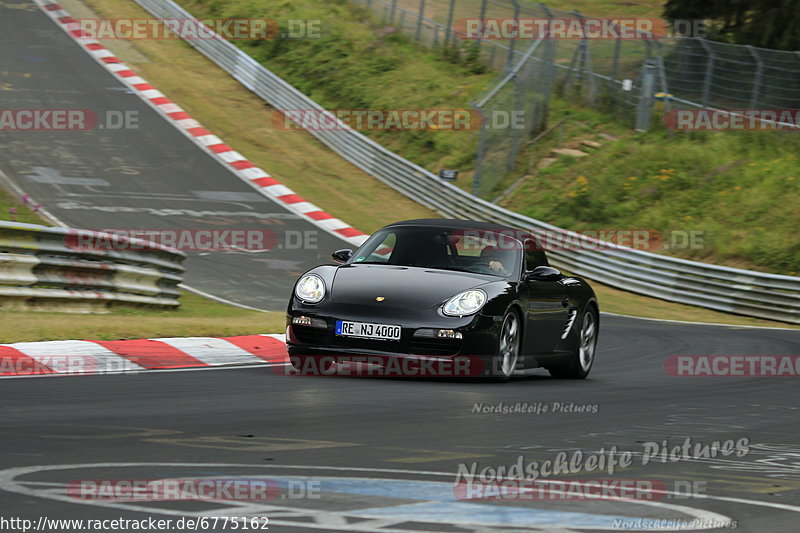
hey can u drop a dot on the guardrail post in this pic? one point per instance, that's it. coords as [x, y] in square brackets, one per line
[644, 110]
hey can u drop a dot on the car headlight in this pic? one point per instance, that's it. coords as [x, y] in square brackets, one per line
[310, 289]
[467, 303]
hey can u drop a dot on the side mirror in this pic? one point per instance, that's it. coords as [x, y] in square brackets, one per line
[543, 273]
[341, 256]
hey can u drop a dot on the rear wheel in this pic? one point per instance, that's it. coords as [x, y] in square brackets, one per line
[582, 359]
[502, 366]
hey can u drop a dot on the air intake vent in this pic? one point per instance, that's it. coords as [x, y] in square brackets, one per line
[573, 313]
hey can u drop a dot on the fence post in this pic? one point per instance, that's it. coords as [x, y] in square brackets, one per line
[757, 81]
[479, 42]
[615, 61]
[392, 12]
[662, 73]
[449, 29]
[420, 16]
[476, 178]
[709, 71]
[644, 110]
[583, 48]
[520, 83]
[513, 42]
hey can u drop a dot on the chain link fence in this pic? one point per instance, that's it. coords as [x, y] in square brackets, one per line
[619, 76]
[531, 71]
[710, 74]
[511, 110]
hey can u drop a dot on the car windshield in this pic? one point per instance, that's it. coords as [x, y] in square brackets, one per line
[466, 250]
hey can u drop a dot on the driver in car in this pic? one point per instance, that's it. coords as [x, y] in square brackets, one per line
[494, 257]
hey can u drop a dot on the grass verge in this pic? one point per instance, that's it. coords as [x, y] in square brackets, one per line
[14, 209]
[196, 317]
[733, 189]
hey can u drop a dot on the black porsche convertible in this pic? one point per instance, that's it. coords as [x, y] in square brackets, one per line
[438, 289]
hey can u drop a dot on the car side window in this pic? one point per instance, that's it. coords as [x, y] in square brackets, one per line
[534, 256]
[382, 252]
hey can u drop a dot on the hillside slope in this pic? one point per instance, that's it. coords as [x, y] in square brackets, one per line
[737, 189]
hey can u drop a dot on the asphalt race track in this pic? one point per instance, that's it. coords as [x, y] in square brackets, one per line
[135, 179]
[408, 430]
[362, 454]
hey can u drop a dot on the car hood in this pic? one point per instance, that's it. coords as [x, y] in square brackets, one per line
[410, 288]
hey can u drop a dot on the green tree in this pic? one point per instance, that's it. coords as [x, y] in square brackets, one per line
[765, 23]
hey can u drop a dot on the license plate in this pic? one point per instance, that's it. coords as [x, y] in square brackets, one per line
[368, 331]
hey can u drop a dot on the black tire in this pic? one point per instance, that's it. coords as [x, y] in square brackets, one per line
[501, 366]
[582, 359]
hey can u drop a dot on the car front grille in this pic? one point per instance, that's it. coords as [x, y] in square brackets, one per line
[367, 344]
[419, 347]
[310, 335]
[421, 342]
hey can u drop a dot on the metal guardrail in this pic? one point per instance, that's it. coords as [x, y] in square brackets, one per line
[58, 268]
[732, 290]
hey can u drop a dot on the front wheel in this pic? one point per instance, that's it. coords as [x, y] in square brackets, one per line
[502, 366]
[582, 359]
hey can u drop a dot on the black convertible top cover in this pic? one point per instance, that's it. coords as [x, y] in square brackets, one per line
[463, 224]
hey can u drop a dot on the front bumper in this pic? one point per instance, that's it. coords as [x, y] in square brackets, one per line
[418, 338]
